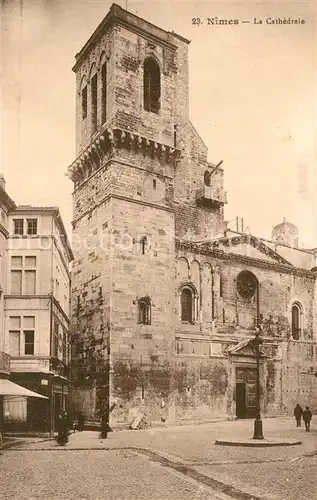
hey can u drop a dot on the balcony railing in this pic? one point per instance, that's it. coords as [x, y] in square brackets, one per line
[210, 195]
[4, 363]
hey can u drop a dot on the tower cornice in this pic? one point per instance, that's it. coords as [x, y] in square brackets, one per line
[109, 139]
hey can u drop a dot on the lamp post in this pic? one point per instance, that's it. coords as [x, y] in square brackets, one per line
[256, 342]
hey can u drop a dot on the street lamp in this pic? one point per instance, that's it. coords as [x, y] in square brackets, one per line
[256, 342]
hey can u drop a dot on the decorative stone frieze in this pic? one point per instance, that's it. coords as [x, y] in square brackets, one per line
[111, 139]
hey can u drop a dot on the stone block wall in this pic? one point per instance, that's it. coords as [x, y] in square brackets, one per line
[134, 276]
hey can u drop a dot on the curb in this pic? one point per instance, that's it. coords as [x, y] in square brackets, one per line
[258, 443]
[21, 442]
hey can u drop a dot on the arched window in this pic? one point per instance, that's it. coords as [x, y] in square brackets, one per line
[187, 305]
[296, 321]
[151, 85]
[144, 306]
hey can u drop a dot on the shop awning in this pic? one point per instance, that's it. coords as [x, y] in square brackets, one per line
[8, 388]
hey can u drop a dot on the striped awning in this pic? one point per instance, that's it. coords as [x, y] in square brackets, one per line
[8, 388]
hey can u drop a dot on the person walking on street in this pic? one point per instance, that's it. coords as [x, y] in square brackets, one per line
[105, 427]
[81, 421]
[62, 429]
[307, 416]
[298, 413]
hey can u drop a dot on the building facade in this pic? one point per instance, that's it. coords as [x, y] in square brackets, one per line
[164, 297]
[36, 334]
[6, 206]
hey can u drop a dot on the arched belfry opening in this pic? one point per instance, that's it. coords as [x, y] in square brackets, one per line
[151, 85]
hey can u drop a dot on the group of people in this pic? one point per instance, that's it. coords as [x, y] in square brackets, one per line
[306, 414]
[63, 425]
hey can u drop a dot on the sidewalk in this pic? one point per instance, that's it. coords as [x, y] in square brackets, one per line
[196, 443]
[275, 473]
[14, 442]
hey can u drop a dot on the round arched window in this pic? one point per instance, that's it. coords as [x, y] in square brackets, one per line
[144, 307]
[187, 304]
[296, 321]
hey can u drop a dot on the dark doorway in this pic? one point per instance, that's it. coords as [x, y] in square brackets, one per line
[245, 392]
[241, 403]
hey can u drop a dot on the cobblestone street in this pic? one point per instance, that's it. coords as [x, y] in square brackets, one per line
[92, 475]
[129, 459]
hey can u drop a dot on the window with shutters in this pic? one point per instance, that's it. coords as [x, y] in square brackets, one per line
[18, 226]
[31, 226]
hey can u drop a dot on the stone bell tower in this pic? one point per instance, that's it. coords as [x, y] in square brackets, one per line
[139, 167]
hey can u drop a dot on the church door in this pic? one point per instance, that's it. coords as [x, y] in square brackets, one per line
[241, 406]
[245, 392]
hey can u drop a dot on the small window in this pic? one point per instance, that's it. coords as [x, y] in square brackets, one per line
[143, 245]
[94, 102]
[16, 282]
[187, 304]
[144, 311]
[18, 226]
[221, 286]
[14, 342]
[84, 103]
[296, 321]
[16, 262]
[31, 226]
[55, 340]
[30, 282]
[154, 183]
[29, 342]
[14, 335]
[30, 262]
[151, 85]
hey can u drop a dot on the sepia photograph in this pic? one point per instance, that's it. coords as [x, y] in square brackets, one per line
[158, 250]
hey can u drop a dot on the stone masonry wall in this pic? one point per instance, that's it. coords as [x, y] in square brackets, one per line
[147, 348]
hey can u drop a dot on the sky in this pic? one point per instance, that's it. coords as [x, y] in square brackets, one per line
[253, 100]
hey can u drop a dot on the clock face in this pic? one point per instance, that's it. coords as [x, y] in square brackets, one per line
[247, 284]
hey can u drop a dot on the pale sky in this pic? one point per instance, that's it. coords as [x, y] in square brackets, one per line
[252, 99]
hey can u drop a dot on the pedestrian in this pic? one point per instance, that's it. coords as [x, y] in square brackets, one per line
[81, 421]
[307, 416]
[298, 413]
[1, 442]
[105, 427]
[62, 429]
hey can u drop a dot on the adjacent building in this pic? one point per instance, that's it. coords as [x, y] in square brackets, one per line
[6, 206]
[35, 335]
[165, 299]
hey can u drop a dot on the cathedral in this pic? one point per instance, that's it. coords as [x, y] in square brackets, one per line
[165, 296]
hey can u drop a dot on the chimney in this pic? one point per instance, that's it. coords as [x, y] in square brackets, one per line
[2, 182]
